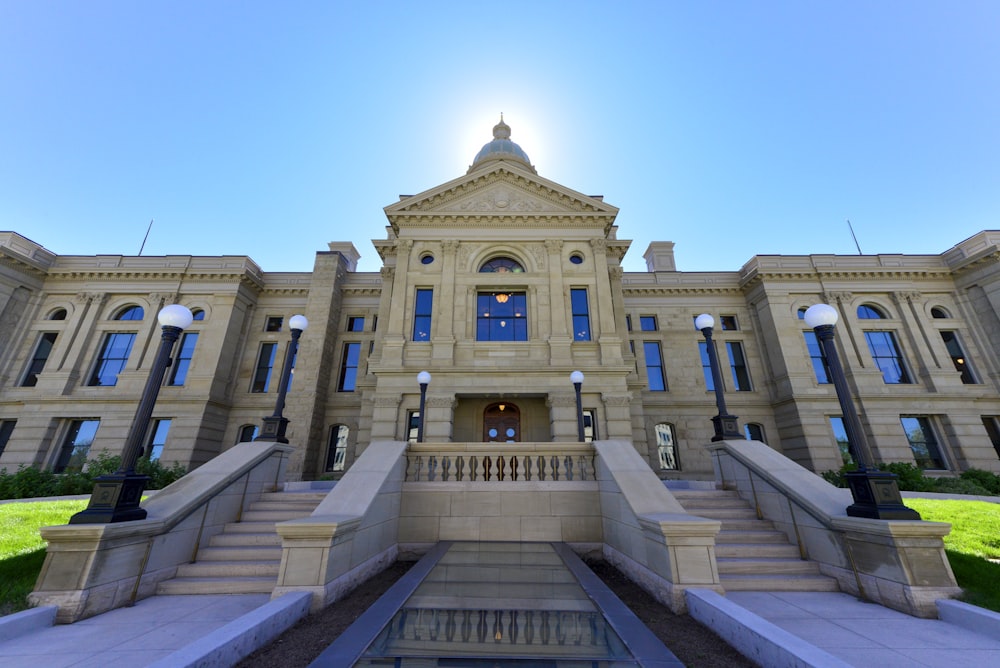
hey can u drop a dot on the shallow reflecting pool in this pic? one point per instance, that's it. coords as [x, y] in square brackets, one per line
[497, 605]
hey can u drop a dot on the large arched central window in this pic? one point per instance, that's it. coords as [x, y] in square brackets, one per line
[501, 265]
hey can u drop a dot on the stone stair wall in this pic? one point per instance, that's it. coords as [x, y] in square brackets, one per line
[245, 557]
[751, 554]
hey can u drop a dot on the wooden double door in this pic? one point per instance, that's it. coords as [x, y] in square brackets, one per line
[502, 423]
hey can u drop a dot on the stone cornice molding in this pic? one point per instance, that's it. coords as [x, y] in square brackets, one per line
[672, 290]
[387, 400]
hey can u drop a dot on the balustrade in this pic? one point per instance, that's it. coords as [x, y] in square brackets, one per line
[500, 462]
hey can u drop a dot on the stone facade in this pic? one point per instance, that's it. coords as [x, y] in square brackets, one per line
[556, 257]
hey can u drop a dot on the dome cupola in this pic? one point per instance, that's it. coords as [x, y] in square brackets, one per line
[501, 148]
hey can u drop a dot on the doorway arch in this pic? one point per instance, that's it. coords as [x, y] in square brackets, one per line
[502, 423]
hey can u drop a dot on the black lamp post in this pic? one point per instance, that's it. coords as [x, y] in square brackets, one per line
[424, 379]
[577, 379]
[276, 424]
[726, 425]
[116, 496]
[876, 493]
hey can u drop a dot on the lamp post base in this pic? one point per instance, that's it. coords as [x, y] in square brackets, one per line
[115, 498]
[273, 429]
[727, 428]
[876, 496]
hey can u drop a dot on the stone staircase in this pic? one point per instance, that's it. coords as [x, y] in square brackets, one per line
[750, 553]
[245, 557]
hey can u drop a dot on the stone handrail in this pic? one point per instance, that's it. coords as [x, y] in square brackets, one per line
[499, 462]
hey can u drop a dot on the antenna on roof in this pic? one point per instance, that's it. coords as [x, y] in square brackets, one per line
[146, 237]
[855, 237]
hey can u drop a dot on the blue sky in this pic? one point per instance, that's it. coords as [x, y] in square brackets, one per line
[269, 129]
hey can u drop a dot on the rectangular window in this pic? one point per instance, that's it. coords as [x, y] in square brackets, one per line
[349, 367]
[182, 362]
[336, 452]
[958, 357]
[666, 447]
[992, 425]
[38, 360]
[628, 322]
[502, 316]
[840, 436]
[706, 366]
[76, 446]
[581, 314]
[738, 365]
[589, 426]
[754, 432]
[412, 425]
[654, 366]
[157, 439]
[262, 372]
[647, 323]
[728, 323]
[112, 358]
[886, 355]
[817, 357]
[422, 309]
[356, 324]
[923, 443]
[6, 429]
[274, 323]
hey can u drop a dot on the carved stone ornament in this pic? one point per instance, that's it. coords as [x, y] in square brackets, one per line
[388, 273]
[617, 400]
[94, 298]
[539, 255]
[911, 296]
[387, 401]
[501, 200]
[615, 271]
[554, 246]
[599, 245]
[404, 245]
[561, 399]
[465, 252]
[449, 246]
[441, 401]
[838, 297]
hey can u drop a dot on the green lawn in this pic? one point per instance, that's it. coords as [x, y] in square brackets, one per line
[973, 541]
[22, 549]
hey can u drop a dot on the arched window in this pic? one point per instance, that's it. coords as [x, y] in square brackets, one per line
[58, 314]
[248, 432]
[501, 265]
[666, 446]
[802, 313]
[336, 452]
[939, 312]
[754, 432]
[130, 313]
[869, 312]
[197, 314]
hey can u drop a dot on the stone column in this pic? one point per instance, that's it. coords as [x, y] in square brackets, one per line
[618, 418]
[438, 427]
[384, 417]
[560, 337]
[562, 416]
[443, 325]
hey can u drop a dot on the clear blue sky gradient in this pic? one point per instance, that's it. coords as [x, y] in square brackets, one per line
[268, 129]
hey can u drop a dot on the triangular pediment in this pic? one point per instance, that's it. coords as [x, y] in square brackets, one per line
[502, 189]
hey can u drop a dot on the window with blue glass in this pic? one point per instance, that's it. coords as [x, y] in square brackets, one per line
[817, 357]
[654, 366]
[581, 314]
[885, 353]
[112, 358]
[501, 316]
[647, 323]
[157, 440]
[349, 367]
[738, 366]
[182, 363]
[706, 366]
[356, 324]
[38, 360]
[840, 436]
[923, 442]
[131, 313]
[262, 371]
[422, 311]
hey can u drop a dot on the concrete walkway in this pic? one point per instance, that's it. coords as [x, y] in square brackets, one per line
[772, 628]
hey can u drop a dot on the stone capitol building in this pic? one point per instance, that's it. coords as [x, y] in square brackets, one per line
[500, 284]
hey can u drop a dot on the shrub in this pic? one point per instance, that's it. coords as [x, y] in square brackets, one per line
[29, 482]
[988, 481]
[911, 478]
[959, 486]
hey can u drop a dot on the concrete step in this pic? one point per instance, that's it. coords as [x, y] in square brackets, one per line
[240, 552]
[249, 527]
[743, 513]
[271, 515]
[765, 566]
[304, 507]
[751, 536]
[778, 583]
[220, 585]
[226, 569]
[756, 550]
[746, 524]
[234, 538]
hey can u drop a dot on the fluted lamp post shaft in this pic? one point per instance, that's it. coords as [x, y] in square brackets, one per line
[276, 424]
[116, 496]
[726, 426]
[875, 493]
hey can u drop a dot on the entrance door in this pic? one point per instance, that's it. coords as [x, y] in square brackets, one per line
[502, 423]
